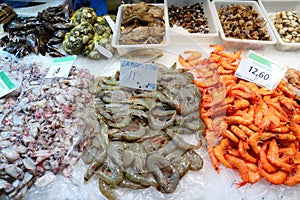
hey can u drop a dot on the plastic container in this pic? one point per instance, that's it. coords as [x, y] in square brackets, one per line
[213, 29]
[122, 49]
[272, 7]
[242, 43]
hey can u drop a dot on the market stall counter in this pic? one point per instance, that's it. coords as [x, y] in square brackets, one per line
[172, 121]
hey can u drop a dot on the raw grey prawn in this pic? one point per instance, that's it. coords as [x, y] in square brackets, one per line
[152, 135]
[165, 174]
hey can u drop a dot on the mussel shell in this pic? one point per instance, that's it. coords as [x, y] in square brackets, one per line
[54, 40]
[4, 40]
[60, 33]
[33, 42]
[48, 25]
[18, 39]
[21, 52]
[12, 47]
[53, 51]
[14, 24]
[63, 25]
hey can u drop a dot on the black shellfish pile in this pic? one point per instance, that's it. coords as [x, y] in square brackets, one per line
[38, 34]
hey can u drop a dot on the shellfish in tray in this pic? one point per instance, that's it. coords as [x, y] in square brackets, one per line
[142, 24]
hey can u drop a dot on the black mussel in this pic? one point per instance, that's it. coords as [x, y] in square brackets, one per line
[60, 33]
[66, 12]
[53, 51]
[33, 42]
[18, 39]
[12, 47]
[54, 40]
[42, 46]
[15, 24]
[22, 51]
[59, 19]
[63, 25]
[4, 40]
[48, 25]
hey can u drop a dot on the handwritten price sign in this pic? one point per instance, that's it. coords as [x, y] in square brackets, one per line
[61, 67]
[261, 71]
[138, 75]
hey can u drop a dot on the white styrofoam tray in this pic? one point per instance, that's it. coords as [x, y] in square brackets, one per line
[242, 43]
[213, 29]
[125, 48]
[272, 7]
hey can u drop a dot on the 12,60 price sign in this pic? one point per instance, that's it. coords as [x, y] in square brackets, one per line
[261, 71]
[260, 74]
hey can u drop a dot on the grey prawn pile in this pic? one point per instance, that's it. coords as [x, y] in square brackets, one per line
[141, 138]
[40, 126]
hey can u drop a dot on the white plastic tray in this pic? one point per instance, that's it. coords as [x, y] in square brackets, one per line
[126, 48]
[213, 29]
[242, 43]
[274, 6]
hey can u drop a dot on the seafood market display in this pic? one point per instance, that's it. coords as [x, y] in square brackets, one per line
[191, 17]
[38, 34]
[90, 30]
[136, 143]
[249, 128]
[40, 126]
[287, 24]
[242, 22]
[144, 138]
[7, 13]
[142, 24]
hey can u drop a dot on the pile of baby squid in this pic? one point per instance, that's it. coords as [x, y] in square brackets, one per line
[40, 127]
[250, 129]
[144, 138]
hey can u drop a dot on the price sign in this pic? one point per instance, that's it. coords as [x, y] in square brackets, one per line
[61, 67]
[138, 75]
[260, 70]
[6, 84]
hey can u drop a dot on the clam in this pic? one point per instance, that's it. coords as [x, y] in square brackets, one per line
[287, 24]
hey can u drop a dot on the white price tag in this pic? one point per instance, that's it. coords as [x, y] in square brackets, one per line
[260, 71]
[138, 75]
[61, 67]
[6, 84]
